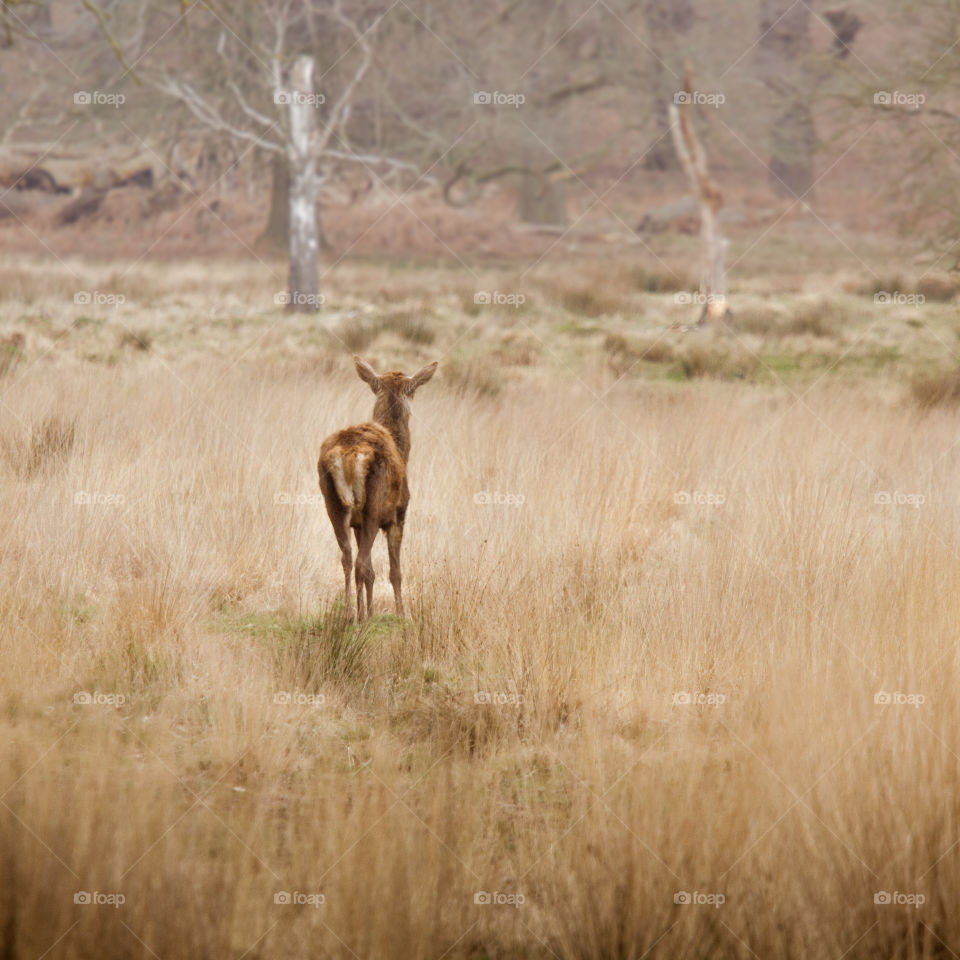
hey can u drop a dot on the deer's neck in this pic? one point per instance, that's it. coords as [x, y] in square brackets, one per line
[397, 421]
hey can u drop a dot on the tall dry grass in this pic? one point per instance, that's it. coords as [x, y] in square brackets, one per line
[775, 562]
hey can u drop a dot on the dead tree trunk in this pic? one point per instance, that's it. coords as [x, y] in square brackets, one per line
[713, 281]
[304, 188]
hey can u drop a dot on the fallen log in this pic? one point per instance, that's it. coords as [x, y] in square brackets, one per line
[89, 202]
[33, 168]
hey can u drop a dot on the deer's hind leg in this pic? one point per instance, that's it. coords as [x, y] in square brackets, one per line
[340, 521]
[364, 569]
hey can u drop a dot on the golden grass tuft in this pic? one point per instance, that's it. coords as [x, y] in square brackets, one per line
[818, 319]
[718, 360]
[40, 446]
[626, 354]
[589, 301]
[11, 352]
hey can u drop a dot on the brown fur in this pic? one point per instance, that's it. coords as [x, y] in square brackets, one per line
[363, 479]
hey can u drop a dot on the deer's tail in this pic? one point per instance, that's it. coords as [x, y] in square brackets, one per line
[348, 471]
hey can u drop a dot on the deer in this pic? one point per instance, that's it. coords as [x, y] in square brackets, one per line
[363, 479]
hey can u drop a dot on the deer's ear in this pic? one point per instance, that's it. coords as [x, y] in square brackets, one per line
[421, 377]
[366, 372]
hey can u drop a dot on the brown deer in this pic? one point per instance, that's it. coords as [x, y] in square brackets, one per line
[363, 479]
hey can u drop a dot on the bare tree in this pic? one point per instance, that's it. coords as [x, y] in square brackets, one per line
[257, 91]
[304, 240]
[525, 94]
[713, 276]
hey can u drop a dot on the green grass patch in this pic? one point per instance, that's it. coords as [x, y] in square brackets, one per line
[310, 650]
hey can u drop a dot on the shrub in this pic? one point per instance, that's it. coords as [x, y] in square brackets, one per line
[358, 335]
[761, 321]
[472, 375]
[817, 319]
[624, 353]
[937, 288]
[938, 390]
[137, 339]
[660, 280]
[713, 362]
[591, 303]
[409, 327]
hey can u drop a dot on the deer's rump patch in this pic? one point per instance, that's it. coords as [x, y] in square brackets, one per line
[347, 457]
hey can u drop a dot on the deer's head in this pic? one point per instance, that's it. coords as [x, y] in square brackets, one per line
[393, 392]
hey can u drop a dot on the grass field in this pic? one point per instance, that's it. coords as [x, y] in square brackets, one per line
[678, 676]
